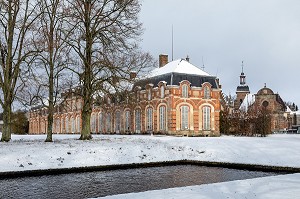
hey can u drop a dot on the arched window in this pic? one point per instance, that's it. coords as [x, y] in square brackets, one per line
[108, 122]
[118, 122]
[184, 91]
[149, 95]
[93, 123]
[162, 92]
[67, 124]
[206, 93]
[149, 119]
[138, 120]
[127, 120]
[78, 124]
[73, 125]
[206, 118]
[101, 123]
[57, 128]
[162, 118]
[184, 118]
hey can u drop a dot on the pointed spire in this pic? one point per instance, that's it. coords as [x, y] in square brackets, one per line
[242, 76]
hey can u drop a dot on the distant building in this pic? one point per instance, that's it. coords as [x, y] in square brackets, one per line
[175, 99]
[264, 98]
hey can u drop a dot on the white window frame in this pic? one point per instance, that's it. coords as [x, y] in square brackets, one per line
[149, 95]
[108, 122]
[67, 124]
[127, 120]
[185, 93]
[149, 119]
[162, 118]
[162, 92]
[184, 117]
[138, 120]
[78, 124]
[206, 93]
[72, 124]
[206, 118]
[118, 121]
[100, 122]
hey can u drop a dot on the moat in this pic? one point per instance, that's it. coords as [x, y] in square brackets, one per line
[97, 184]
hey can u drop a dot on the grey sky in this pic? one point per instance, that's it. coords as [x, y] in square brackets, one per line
[265, 34]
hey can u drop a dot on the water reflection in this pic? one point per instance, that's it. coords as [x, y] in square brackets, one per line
[96, 184]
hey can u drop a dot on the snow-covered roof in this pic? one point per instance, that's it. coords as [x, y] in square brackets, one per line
[248, 101]
[178, 66]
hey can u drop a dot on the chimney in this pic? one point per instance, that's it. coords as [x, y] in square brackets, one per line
[163, 60]
[132, 75]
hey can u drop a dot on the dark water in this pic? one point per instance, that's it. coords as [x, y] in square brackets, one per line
[96, 184]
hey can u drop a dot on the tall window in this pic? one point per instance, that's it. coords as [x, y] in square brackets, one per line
[57, 125]
[206, 93]
[184, 118]
[162, 92]
[149, 119]
[73, 124]
[206, 118]
[67, 124]
[162, 118]
[108, 122]
[93, 123]
[127, 121]
[100, 123]
[138, 120]
[78, 124]
[118, 122]
[184, 91]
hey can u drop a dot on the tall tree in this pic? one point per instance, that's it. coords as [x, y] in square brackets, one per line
[105, 37]
[53, 55]
[16, 19]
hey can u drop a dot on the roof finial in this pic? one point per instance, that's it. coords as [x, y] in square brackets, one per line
[187, 58]
[265, 85]
[242, 66]
[203, 67]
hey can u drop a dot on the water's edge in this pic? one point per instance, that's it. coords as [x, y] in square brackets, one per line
[57, 171]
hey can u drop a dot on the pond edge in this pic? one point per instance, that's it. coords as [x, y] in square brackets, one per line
[58, 171]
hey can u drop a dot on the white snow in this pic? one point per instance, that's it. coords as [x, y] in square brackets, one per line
[178, 66]
[31, 153]
[248, 101]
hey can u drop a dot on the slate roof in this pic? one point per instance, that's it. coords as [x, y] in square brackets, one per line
[175, 72]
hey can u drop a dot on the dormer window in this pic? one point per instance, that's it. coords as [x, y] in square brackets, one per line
[206, 93]
[162, 92]
[184, 91]
[149, 94]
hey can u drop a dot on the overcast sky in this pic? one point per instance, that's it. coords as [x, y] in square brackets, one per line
[265, 34]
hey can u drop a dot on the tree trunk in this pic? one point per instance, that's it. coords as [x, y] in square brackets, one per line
[6, 134]
[86, 119]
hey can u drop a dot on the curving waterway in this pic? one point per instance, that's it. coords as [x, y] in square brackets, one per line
[97, 184]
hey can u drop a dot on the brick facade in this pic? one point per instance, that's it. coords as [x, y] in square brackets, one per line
[181, 108]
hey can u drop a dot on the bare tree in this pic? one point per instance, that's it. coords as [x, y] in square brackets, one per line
[53, 56]
[105, 37]
[16, 19]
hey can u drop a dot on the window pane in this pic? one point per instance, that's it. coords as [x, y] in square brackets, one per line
[138, 120]
[184, 117]
[206, 118]
[149, 118]
[162, 118]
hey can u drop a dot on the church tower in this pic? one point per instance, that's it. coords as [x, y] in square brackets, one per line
[242, 90]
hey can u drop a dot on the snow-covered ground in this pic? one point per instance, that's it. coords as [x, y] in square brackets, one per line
[32, 153]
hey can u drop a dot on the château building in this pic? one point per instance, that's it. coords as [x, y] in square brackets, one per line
[177, 98]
